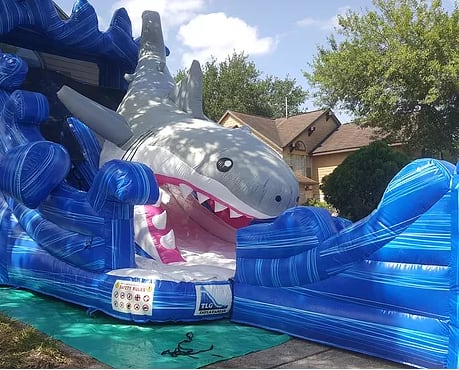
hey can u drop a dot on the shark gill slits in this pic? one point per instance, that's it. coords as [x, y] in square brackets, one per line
[278, 198]
[224, 164]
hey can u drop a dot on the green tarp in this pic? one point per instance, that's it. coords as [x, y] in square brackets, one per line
[124, 345]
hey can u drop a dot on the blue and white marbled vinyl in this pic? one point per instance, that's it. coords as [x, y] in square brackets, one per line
[384, 286]
[78, 245]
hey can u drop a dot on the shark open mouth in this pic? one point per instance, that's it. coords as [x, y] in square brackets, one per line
[215, 207]
[190, 225]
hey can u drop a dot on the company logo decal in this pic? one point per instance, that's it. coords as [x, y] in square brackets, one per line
[212, 299]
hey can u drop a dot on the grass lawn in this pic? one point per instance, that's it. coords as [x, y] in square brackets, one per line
[21, 346]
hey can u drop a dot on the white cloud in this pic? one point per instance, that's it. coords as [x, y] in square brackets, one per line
[323, 24]
[172, 12]
[328, 24]
[218, 35]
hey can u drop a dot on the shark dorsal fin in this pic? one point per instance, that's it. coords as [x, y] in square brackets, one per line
[152, 41]
[187, 94]
[105, 122]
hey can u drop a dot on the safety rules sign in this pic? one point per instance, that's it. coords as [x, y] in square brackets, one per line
[132, 297]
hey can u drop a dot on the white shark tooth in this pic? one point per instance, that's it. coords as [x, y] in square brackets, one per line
[185, 189]
[201, 197]
[164, 196]
[158, 202]
[219, 207]
[159, 221]
[168, 240]
[234, 214]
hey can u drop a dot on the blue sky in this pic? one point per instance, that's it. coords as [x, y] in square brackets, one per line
[280, 37]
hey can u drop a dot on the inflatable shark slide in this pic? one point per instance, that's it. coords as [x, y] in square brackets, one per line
[143, 227]
[167, 216]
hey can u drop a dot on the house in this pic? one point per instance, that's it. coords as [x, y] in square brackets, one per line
[313, 144]
[294, 138]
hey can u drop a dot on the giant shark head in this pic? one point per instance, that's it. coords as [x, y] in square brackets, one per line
[216, 177]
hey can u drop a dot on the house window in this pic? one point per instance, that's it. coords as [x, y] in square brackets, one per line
[299, 145]
[297, 162]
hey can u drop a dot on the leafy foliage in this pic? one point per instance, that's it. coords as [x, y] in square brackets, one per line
[356, 186]
[396, 68]
[236, 84]
[276, 92]
[317, 203]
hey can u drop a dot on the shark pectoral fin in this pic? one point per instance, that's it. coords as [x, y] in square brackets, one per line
[187, 94]
[105, 122]
[129, 77]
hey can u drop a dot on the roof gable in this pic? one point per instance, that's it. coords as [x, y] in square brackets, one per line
[291, 127]
[280, 131]
[264, 126]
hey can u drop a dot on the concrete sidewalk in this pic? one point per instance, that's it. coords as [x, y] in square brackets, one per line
[294, 354]
[302, 354]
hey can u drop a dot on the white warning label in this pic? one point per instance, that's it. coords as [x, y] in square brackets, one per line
[132, 297]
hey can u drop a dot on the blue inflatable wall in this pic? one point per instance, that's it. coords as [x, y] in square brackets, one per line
[385, 286]
[36, 25]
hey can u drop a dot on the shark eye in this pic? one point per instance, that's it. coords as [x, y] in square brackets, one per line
[224, 164]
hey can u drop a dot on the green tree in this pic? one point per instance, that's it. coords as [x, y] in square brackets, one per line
[236, 84]
[233, 84]
[396, 68]
[276, 92]
[356, 186]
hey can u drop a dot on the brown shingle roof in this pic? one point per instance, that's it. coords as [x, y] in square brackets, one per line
[280, 131]
[291, 127]
[265, 126]
[347, 137]
[304, 179]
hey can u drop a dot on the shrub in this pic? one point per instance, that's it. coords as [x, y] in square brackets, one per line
[356, 186]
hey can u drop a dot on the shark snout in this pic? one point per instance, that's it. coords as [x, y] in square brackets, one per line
[279, 194]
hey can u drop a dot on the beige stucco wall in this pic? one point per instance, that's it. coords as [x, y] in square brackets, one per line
[230, 122]
[304, 194]
[323, 165]
[323, 129]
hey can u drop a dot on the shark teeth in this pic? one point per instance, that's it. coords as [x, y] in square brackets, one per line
[168, 240]
[164, 198]
[159, 221]
[234, 214]
[218, 207]
[186, 190]
[202, 198]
